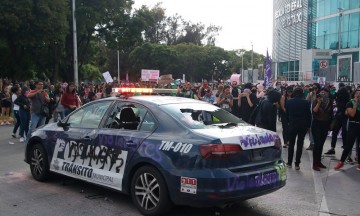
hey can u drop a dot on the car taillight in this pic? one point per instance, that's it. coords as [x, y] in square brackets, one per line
[219, 150]
[277, 144]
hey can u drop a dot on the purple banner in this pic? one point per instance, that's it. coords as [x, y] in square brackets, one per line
[268, 72]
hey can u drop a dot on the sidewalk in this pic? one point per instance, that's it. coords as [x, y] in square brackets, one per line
[338, 192]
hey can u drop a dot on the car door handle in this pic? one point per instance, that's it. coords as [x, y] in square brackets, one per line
[130, 143]
[87, 138]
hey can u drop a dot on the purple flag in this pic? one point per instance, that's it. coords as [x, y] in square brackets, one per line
[268, 72]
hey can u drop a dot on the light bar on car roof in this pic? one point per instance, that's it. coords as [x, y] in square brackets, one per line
[133, 90]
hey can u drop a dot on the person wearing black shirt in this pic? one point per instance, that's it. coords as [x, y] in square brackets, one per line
[299, 118]
[246, 102]
[353, 111]
[342, 98]
[268, 109]
[322, 113]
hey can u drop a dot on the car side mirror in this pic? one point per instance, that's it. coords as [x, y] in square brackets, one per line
[62, 124]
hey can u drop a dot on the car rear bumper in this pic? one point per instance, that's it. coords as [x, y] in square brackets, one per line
[225, 187]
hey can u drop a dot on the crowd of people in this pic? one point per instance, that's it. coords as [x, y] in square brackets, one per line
[300, 108]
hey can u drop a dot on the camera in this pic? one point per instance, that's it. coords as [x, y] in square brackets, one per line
[311, 89]
[318, 95]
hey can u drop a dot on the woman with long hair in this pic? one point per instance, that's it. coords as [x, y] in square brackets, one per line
[69, 99]
[220, 90]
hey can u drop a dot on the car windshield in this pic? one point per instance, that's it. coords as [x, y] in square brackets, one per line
[202, 115]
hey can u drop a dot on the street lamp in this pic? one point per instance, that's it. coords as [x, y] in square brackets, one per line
[339, 33]
[252, 62]
[324, 38]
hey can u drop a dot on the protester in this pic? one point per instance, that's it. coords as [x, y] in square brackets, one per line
[226, 99]
[201, 92]
[24, 112]
[16, 90]
[282, 112]
[39, 107]
[5, 98]
[311, 98]
[69, 99]
[220, 90]
[235, 94]
[322, 114]
[299, 118]
[59, 108]
[260, 91]
[246, 102]
[268, 109]
[342, 98]
[353, 111]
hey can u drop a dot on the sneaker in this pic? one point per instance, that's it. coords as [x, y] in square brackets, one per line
[349, 160]
[2, 123]
[358, 167]
[8, 123]
[311, 147]
[22, 139]
[288, 165]
[320, 165]
[285, 146]
[13, 135]
[339, 165]
[297, 167]
[330, 152]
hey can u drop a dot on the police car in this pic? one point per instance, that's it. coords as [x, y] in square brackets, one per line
[161, 150]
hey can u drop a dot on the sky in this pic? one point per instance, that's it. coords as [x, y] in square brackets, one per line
[243, 22]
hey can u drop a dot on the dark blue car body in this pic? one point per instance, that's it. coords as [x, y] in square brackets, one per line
[97, 150]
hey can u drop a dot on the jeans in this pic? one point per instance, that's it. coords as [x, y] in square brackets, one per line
[340, 123]
[320, 130]
[18, 121]
[352, 135]
[37, 120]
[68, 111]
[62, 115]
[298, 130]
[24, 122]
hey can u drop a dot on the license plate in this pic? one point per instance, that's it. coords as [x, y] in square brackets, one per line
[257, 154]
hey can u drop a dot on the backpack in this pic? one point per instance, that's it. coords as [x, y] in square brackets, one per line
[256, 116]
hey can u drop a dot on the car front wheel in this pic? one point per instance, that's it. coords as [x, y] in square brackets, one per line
[149, 192]
[39, 165]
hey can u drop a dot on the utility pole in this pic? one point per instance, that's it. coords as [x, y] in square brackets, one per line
[76, 75]
[339, 33]
[118, 56]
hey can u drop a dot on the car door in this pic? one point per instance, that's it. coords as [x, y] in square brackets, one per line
[74, 152]
[125, 128]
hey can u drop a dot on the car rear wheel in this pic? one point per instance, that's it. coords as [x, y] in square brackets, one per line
[39, 165]
[149, 192]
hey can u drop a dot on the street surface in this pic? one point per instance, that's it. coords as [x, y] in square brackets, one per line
[306, 193]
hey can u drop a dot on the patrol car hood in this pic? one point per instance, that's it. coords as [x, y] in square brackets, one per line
[248, 137]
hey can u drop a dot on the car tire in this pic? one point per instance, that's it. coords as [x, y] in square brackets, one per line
[149, 192]
[39, 165]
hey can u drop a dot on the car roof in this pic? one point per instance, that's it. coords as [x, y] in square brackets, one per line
[157, 100]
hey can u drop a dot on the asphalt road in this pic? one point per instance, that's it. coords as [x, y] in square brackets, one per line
[306, 193]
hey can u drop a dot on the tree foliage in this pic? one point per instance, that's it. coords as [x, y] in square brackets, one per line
[36, 40]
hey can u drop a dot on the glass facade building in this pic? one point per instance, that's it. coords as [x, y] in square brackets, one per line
[316, 25]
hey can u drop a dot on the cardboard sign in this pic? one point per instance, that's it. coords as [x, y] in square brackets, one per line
[107, 77]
